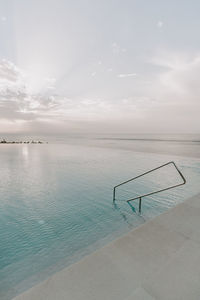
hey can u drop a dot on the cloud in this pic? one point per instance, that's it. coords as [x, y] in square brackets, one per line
[117, 49]
[16, 103]
[176, 92]
[3, 19]
[127, 75]
[50, 80]
[169, 102]
[180, 77]
[9, 72]
[160, 24]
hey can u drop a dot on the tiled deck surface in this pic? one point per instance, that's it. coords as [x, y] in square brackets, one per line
[158, 260]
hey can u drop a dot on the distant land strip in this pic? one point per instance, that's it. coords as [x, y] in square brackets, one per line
[149, 140]
[22, 142]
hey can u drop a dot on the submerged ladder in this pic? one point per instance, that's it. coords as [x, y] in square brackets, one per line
[155, 192]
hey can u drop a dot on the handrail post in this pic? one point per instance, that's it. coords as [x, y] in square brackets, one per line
[114, 194]
[140, 204]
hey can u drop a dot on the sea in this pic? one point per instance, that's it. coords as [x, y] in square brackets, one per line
[56, 198]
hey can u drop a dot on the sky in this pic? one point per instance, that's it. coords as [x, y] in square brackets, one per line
[99, 66]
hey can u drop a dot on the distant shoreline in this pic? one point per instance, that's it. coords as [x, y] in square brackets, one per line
[22, 142]
[149, 140]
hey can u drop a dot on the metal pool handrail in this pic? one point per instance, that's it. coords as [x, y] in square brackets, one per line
[145, 195]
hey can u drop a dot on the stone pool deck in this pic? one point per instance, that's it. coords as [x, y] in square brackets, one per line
[158, 260]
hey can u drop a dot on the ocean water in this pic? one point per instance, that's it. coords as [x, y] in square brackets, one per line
[56, 202]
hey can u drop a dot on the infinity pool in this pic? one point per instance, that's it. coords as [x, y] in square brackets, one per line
[56, 204]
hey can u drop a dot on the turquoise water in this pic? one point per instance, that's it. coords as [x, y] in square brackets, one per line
[56, 204]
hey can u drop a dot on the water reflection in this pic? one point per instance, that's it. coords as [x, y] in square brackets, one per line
[126, 215]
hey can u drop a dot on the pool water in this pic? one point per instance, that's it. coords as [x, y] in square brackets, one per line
[56, 204]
